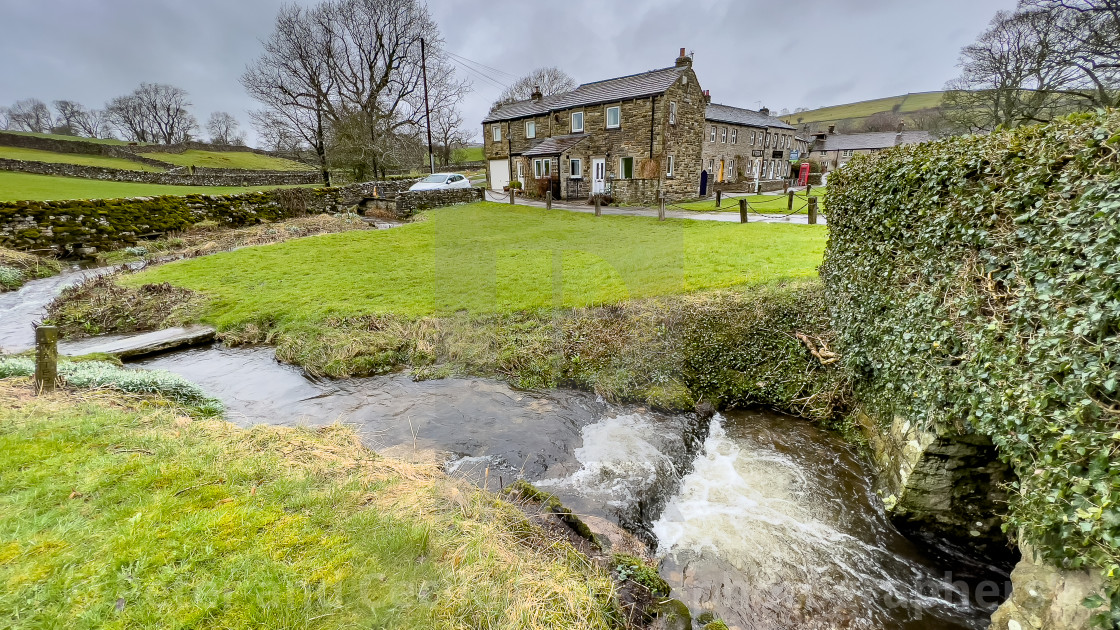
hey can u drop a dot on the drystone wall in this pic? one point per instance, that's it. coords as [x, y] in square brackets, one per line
[176, 177]
[636, 191]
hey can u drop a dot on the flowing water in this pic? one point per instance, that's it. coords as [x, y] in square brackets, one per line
[762, 519]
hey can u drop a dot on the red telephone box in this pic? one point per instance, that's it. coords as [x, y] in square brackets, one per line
[803, 176]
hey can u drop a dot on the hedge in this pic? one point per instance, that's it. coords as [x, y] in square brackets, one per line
[975, 286]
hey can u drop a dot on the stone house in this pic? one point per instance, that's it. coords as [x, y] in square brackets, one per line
[631, 137]
[743, 144]
[833, 150]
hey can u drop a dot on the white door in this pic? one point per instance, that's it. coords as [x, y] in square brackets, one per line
[598, 176]
[499, 174]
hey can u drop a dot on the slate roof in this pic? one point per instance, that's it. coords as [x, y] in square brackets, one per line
[874, 140]
[620, 89]
[740, 116]
[555, 145]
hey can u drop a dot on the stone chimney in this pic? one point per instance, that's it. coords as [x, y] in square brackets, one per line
[684, 60]
[765, 111]
[537, 93]
[832, 130]
[708, 96]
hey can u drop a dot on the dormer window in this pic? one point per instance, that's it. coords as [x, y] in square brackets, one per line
[577, 122]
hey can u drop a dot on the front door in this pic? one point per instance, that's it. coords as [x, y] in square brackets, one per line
[598, 176]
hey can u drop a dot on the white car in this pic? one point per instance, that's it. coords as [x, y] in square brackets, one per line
[442, 181]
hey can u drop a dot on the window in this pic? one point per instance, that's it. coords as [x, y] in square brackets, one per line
[575, 169]
[753, 137]
[626, 168]
[669, 167]
[531, 129]
[673, 113]
[711, 166]
[768, 139]
[614, 117]
[577, 122]
[847, 153]
[496, 132]
[520, 171]
[734, 136]
[713, 136]
[723, 135]
[731, 169]
[542, 169]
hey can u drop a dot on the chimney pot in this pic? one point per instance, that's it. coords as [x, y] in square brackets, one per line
[831, 129]
[684, 59]
[537, 93]
[765, 111]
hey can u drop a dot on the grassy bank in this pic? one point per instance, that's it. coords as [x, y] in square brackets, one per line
[36, 155]
[29, 187]
[119, 512]
[240, 160]
[488, 258]
[16, 268]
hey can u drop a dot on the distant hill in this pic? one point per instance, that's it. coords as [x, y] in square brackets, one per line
[851, 116]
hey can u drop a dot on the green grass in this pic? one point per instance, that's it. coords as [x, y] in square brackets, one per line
[121, 513]
[28, 187]
[761, 204]
[863, 109]
[242, 160]
[490, 257]
[36, 155]
[470, 154]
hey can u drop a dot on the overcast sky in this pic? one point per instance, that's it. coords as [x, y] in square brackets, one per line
[778, 53]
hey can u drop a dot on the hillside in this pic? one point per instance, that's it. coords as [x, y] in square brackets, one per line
[241, 160]
[853, 114]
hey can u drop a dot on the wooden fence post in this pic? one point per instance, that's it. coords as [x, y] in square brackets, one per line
[661, 207]
[812, 210]
[598, 205]
[719, 197]
[742, 211]
[548, 200]
[512, 196]
[808, 190]
[46, 358]
[790, 207]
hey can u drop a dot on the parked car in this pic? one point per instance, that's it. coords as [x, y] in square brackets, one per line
[442, 181]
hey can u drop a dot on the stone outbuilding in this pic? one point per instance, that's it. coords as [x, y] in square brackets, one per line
[833, 150]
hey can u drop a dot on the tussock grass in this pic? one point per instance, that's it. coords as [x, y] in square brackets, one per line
[16, 268]
[114, 513]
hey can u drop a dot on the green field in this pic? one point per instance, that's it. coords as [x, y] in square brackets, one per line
[28, 187]
[53, 136]
[906, 103]
[36, 155]
[116, 512]
[469, 154]
[490, 257]
[242, 160]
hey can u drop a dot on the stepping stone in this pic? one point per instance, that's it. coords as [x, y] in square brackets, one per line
[135, 346]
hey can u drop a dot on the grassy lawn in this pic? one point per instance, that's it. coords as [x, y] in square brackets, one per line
[232, 159]
[761, 204]
[123, 512]
[469, 154]
[36, 155]
[28, 187]
[489, 257]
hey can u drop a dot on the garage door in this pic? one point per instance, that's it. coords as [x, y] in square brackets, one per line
[499, 174]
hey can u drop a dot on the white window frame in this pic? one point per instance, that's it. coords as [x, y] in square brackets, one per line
[496, 132]
[622, 168]
[730, 170]
[574, 129]
[723, 135]
[575, 168]
[848, 153]
[521, 171]
[618, 123]
[542, 168]
[735, 135]
[713, 134]
[673, 113]
[669, 167]
[530, 124]
[712, 167]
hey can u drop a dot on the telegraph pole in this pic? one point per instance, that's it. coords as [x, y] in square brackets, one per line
[427, 108]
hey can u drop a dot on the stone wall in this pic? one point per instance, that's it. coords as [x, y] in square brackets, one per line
[1044, 597]
[409, 203]
[643, 192]
[178, 177]
[75, 146]
[83, 227]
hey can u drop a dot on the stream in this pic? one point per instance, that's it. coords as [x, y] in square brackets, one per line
[762, 519]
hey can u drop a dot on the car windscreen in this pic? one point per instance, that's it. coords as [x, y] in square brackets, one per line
[438, 178]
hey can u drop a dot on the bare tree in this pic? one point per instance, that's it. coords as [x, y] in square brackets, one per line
[1089, 35]
[95, 124]
[447, 133]
[882, 121]
[154, 112]
[292, 81]
[550, 80]
[224, 129]
[30, 115]
[128, 115]
[69, 113]
[5, 121]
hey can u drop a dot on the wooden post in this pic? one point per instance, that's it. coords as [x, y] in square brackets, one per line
[812, 210]
[661, 207]
[548, 200]
[512, 196]
[742, 211]
[790, 206]
[598, 205]
[719, 197]
[808, 190]
[46, 358]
